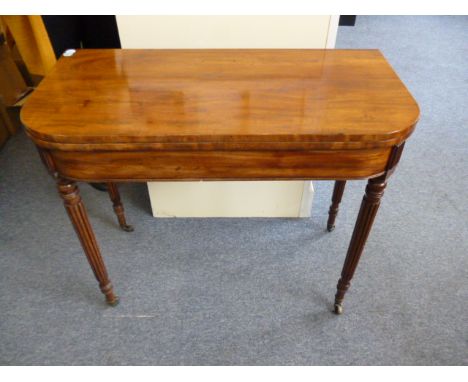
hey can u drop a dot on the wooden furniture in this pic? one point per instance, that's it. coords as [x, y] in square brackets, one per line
[13, 89]
[140, 115]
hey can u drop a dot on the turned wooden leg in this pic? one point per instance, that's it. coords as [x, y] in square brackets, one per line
[336, 200]
[118, 206]
[76, 211]
[369, 206]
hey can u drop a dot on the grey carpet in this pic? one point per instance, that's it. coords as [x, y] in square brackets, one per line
[258, 291]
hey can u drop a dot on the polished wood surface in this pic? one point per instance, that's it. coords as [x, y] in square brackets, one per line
[76, 211]
[369, 206]
[125, 116]
[220, 165]
[326, 98]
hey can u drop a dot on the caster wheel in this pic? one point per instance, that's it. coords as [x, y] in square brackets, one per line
[330, 228]
[338, 309]
[127, 228]
[114, 302]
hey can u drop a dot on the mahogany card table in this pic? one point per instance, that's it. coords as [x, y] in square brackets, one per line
[152, 115]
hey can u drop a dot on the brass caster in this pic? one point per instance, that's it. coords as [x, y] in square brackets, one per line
[338, 309]
[330, 228]
[114, 302]
[127, 228]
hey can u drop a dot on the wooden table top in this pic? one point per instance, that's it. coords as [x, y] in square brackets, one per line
[343, 99]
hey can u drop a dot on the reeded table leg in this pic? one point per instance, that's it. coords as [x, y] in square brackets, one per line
[76, 211]
[369, 206]
[118, 206]
[336, 200]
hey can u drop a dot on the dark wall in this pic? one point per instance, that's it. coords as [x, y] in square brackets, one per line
[66, 32]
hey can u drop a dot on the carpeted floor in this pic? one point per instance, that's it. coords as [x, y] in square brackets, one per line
[258, 291]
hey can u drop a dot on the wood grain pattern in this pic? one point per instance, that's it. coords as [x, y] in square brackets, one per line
[220, 165]
[326, 97]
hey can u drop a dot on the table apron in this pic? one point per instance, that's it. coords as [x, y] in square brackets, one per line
[218, 165]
